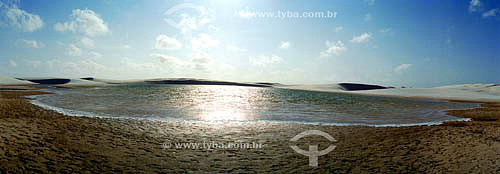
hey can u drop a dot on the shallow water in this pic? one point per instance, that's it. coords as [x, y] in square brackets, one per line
[233, 103]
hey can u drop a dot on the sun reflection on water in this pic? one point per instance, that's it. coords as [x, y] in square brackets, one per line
[217, 103]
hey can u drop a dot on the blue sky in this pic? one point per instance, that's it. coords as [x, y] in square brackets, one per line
[390, 42]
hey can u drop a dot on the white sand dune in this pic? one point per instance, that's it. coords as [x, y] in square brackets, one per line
[470, 92]
[8, 82]
[82, 83]
[12, 81]
[322, 88]
[439, 93]
[109, 81]
[481, 88]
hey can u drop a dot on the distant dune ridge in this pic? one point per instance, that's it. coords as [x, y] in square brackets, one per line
[90, 81]
[357, 87]
[471, 92]
[49, 81]
[180, 81]
[337, 87]
[186, 81]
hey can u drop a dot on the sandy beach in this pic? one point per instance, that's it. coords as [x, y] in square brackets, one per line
[35, 140]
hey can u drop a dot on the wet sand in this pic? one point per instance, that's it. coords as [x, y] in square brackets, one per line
[35, 140]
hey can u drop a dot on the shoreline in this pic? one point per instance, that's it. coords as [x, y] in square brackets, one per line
[39, 140]
[90, 115]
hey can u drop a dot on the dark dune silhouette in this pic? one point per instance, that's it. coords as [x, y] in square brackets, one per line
[267, 83]
[180, 81]
[88, 78]
[357, 87]
[204, 82]
[54, 81]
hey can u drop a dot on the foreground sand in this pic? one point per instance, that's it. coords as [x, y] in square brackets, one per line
[35, 140]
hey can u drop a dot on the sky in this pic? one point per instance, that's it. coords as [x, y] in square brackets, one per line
[390, 42]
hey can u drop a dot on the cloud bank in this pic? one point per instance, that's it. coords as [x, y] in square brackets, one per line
[20, 19]
[85, 21]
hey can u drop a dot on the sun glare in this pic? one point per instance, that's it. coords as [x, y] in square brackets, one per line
[226, 103]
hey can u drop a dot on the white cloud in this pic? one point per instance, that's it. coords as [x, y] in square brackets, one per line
[141, 69]
[370, 2]
[123, 68]
[20, 19]
[67, 26]
[235, 48]
[333, 48]
[368, 17]
[29, 43]
[285, 45]
[490, 13]
[167, 59]
[200, 57]
[73, 50]
[402, 67]
[365, 37]
[87, 42]
[339, 29]
[475, 5]
[94, 54]
[85, 21]
[86, 67]
[126, 46]
[164, 42]
[204, 41]
[198, 62]
[266, 60]
[12, 63]
[81, 68]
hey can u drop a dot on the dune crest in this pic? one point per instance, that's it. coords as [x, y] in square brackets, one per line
[13, 81]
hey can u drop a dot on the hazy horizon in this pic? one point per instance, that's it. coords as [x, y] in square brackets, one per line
[391, 43]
